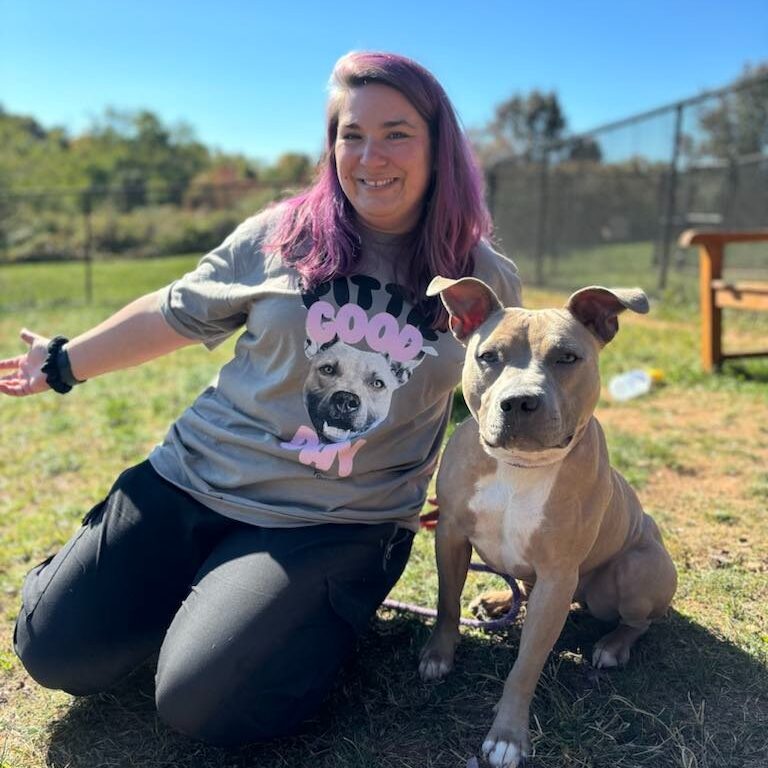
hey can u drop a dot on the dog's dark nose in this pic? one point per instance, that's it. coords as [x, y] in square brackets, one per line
[345, 402]
[526, 404]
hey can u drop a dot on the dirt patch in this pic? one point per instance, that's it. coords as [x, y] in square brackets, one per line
[711, 498]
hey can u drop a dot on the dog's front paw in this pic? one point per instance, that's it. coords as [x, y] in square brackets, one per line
[434, 665]
[437, 656]
[503, 754]
[506, 746]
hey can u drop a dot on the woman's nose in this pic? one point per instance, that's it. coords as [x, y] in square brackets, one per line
[372, 153]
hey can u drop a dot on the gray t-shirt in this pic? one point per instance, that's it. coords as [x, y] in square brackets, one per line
[335, 403]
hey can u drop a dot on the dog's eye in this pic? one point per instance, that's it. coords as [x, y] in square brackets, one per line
[327, 369]
[567, 358]
[377, 384]
[489, 356]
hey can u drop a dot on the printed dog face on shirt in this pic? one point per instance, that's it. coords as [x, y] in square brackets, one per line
[349, 391]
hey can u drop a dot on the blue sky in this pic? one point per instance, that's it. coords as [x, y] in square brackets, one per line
[251, 76]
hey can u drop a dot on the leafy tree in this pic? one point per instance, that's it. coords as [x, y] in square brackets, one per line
[33, 158]
[584, 148]
[222, 183]
[146, 160]
[523, 126]
[290, 168]
[131, 172]
[738, 124]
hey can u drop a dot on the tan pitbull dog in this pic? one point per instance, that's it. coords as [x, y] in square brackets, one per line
[528, 484]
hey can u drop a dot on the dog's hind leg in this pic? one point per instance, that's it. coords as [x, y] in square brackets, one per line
[637, 587]
[612, 650]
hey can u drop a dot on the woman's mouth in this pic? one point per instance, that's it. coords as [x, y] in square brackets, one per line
[377, 183]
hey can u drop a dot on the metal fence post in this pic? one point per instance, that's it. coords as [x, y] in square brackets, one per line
[541, 219]
[490, 185]
[671, 201]
[87, 246]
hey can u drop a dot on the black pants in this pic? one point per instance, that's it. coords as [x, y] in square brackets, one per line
[252, 624]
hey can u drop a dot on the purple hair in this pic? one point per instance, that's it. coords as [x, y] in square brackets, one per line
[318, 235]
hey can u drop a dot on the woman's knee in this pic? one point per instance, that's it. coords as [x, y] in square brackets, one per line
[198, 717]
[55, 663]
[218, 709]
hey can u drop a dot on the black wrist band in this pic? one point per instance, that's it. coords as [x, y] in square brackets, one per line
[65, 368]
[57, 370]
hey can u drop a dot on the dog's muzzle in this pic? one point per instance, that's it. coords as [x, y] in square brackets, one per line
[522, 422]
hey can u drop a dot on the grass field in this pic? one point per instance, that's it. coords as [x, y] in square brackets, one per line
[695, 695]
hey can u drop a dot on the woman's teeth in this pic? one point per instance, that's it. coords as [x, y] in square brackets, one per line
[376, 182]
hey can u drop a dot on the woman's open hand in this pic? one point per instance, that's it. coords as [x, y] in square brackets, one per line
[22, 375]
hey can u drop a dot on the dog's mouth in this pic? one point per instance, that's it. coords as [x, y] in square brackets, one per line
[515, 443]
[524, 451]
[337, 434]
[527, 458]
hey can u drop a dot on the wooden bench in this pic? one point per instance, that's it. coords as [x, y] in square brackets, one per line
[717, 293]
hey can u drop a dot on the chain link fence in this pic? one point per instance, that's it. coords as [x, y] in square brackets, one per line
[603, 207]
[134, 221]
[608, 206]
[137, 221]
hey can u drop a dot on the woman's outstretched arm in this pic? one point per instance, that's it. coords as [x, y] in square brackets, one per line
[135, 334]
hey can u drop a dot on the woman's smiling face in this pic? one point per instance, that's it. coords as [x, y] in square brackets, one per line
[383, 157]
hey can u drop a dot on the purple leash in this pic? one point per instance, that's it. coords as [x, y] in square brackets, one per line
[489, 625]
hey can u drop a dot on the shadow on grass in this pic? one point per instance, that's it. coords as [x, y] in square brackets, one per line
[753, 370]
[687, 698]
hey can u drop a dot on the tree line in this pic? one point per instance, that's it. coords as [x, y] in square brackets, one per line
[133, 153]
[136, 153]
[149, 188]
[526, 127]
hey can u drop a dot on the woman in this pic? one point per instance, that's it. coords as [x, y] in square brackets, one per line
[255, 543]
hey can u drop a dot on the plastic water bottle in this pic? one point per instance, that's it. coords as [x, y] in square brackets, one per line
[634, 383]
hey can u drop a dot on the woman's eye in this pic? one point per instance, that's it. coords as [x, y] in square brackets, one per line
[489, 356]
[567, 358]
[398, 135]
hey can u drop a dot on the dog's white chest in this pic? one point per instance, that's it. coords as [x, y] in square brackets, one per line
[509, 508]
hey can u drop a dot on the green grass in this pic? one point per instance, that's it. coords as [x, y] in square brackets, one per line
[695, 694]
[636, 457]
[47, 286]
[631, 264]
[759, 489]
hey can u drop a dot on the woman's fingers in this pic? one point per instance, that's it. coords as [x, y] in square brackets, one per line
[12, 362]
[29, 337]
[24, 375]
[19, 384]
[9, 388]
[14, 387]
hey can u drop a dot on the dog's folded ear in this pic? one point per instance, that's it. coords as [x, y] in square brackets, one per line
[403, 371]
[598, 308]
[313, 347]
[469, 301]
